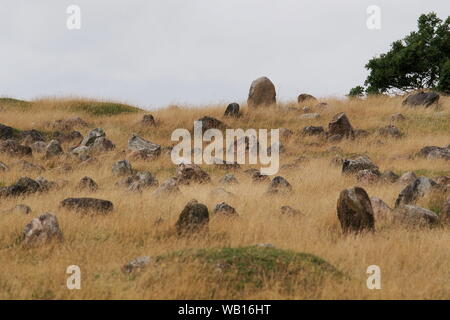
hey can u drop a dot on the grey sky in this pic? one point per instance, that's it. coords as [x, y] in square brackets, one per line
[158, 52]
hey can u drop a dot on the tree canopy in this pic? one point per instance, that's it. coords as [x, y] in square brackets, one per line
[421, 60]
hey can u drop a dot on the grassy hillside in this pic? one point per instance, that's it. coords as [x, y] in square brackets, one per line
[415, 264]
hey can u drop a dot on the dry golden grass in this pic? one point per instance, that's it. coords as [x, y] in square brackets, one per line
[415, 264]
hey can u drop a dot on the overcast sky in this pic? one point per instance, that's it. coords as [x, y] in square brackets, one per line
[157, 52]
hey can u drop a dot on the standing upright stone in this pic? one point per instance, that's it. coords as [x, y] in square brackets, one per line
[193, 218]
[340, 125]
[354, 211]
[262, 93]
[232, 110]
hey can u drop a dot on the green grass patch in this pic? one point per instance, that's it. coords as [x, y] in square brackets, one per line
[14, 103]
[257, 267]
[100, 108]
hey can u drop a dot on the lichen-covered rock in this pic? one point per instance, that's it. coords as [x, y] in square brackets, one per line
[352, 166]
[87, 184]
[194, 218]
[187, 173]
[136, 265]
[422, 98]
[150, 149]
[42, 230]
[340, 125]
[87, 205]
[354, 211]
[224, 209]
[279, 185]
[262, 93]
[380, 209]
[414, 216]
[14, 149]
[122, 168]
[413, 191]
[53, 149]
[232, 110]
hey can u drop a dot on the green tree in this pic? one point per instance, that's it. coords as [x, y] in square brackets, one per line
[357, 91]
[420, 60]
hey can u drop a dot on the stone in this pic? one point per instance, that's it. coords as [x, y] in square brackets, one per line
[30, 136]
[380, 209]
[148, 120]
[414, 216]
[68, 136]
[88, 184]
[352, 166]
[46, 185]
[211, 123]
[170, 186]
[24, 165]
[228, 179]
[407, 177]
[313, 131]
[150, 149]
[187, 173]
[309, 116]
[422, 98]
[3, 167]
[258, 177]
[41, 230]
[359, 133]
[68, 124]
[220, 193]
[136, 265]
[285, 133]
[442, 180]
[415, 190]
[389, 176]
[92, 136]
[194, 218]
[139, 181]
[279, 185]
[397, 117]
[122, 168]
[225, 209]
[335, 138]
[87, 205]
[354, 211]
[81, 153]
[390, 131]
[14, 149]
[445, 213]
[226, 165]
[289, 211]
[232, 110]
[305, 97]
[262, 93]
[23, 186]
[38, 147]
[7, 132]
[367, 176]
[340, 125]
[433, 152]
[53, 149]
[102, 144]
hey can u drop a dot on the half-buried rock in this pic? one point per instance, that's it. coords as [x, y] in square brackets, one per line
[414, 216]
[354, 211]
[87, 205]
[41, 230]
[193, 219]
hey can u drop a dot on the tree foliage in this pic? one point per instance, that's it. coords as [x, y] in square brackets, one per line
[419, 61]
